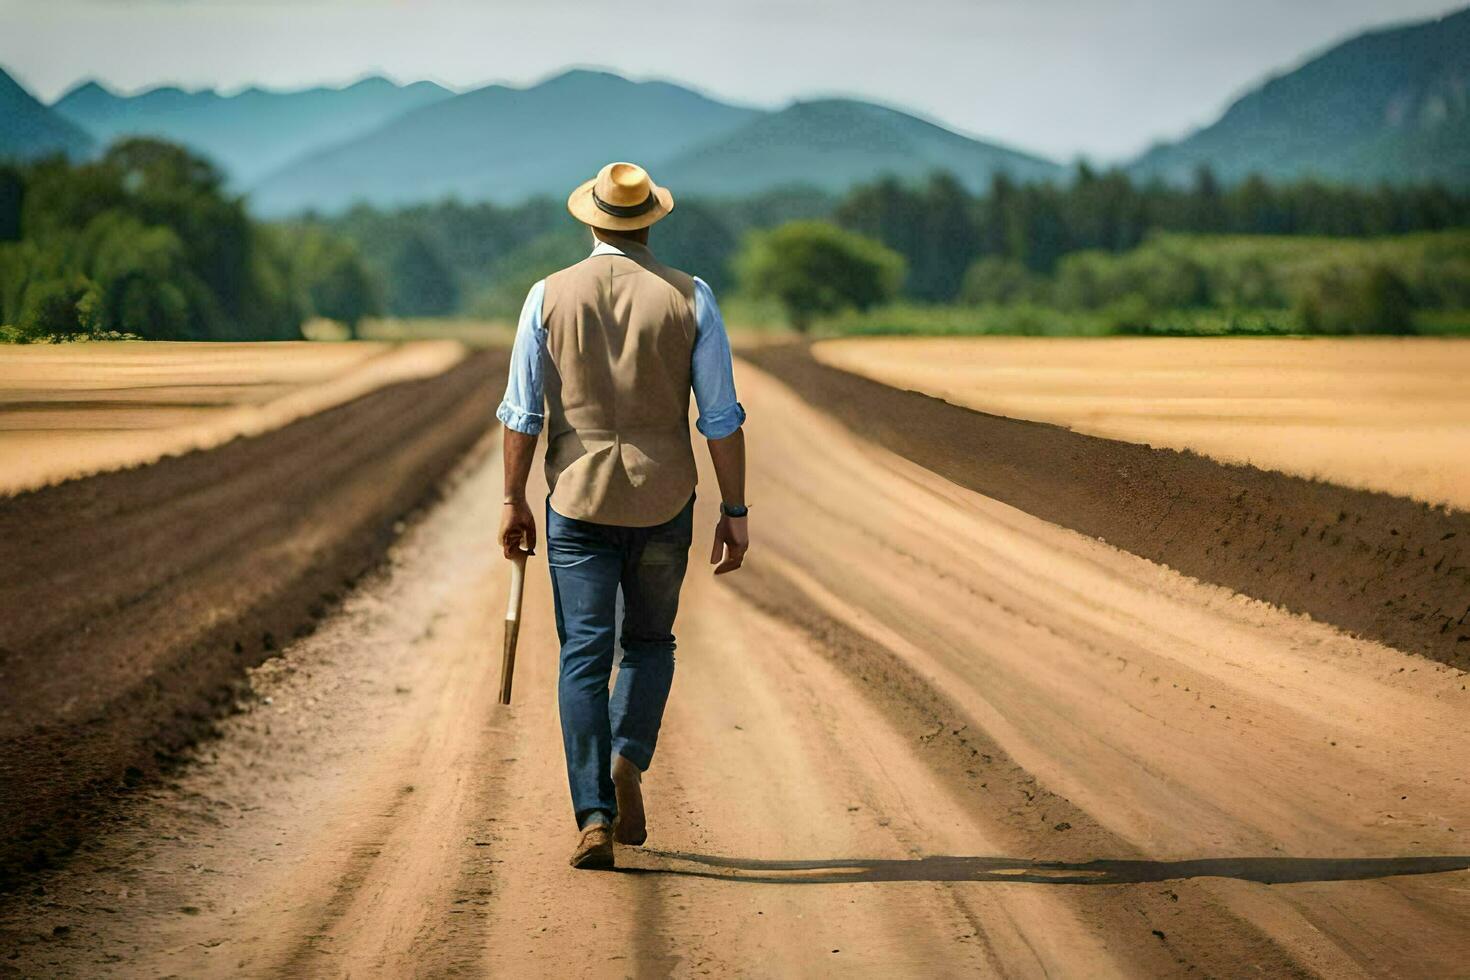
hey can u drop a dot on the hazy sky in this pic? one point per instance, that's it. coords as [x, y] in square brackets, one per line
[1061, 77]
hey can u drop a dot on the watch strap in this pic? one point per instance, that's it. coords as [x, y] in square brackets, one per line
[733, 510]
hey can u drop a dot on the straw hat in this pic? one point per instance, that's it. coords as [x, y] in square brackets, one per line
[621, 197]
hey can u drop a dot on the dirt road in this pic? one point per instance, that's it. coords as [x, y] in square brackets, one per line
[921, 733]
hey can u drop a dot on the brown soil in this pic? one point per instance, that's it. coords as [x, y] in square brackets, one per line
[922, 733]
[1390, 414]
[73, 410]
[133, 600]
[1383, 566]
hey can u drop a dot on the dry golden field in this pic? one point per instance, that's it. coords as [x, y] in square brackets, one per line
[1378, 414]
[72, 409]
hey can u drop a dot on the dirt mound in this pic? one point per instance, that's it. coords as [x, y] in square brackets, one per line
[132, 600]
[1383, 566]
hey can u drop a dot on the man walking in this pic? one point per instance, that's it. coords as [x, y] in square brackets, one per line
[613, 346]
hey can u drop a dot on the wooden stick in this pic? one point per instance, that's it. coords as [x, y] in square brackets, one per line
[512, 624]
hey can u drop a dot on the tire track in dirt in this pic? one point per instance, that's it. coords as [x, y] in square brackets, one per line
[976, 769]
[770, 760]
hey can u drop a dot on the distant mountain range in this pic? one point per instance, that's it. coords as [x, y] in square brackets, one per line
[326, 149]
[835, 143]
[250, 134]
[29, 129]
[1391, 105]
[506, 144]
[1388, 105]
[503, 144]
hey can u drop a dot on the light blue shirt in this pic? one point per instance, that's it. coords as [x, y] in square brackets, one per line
[711, 373]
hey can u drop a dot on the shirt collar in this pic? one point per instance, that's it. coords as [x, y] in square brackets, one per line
[633, 250]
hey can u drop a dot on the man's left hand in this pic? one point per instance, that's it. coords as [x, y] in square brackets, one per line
[732, 540]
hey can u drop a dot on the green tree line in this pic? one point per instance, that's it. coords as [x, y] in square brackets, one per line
[941, 230]
[480, 258]
[1330, 283]
[1178, 283]
[145, 242]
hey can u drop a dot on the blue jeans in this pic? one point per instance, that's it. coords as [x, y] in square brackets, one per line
[589, 563]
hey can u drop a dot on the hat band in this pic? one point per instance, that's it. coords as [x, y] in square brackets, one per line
[629, 211]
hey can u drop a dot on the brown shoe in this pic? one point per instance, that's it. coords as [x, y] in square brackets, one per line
[631, 827]
[595, 851]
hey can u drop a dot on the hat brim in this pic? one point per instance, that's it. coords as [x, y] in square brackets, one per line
[585, 209]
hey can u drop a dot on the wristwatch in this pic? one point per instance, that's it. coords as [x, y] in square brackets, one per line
[733, 510]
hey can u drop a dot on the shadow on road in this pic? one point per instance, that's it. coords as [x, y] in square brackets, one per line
[1267, 870]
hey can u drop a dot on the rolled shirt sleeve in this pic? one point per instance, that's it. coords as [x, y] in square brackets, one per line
[523, 407]
[712, 374]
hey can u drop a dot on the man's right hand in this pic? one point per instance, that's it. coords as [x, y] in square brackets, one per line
[732, 540]
[517, 529]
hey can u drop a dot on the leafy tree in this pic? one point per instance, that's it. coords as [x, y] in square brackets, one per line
[887, 211]
[59, 307]
[1372, 300]
[510, 277]
[325, 274]
[142, 241]
[1207, 203]
[698, 239]
[994, 279]
[341, 291]
[992, 214]
[814, 269]
[932, 227]
[1037, 228]
[950, 240]
[419, 281]
[144, 285]
[12, 196]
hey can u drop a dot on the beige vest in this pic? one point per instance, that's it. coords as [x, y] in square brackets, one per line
[619, 334]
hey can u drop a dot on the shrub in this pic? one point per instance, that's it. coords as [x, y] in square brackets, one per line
[1131, 314]
[1163, 277]
[1082, 281]
[1343, 299]
[1214, 323]
[60, 307]
[817, 269]
[1167, 278]
[1015, 320]
[994, 279]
